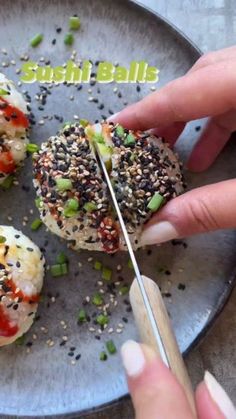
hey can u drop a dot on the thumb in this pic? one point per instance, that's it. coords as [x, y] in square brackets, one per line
[155, 391]
[203, 209]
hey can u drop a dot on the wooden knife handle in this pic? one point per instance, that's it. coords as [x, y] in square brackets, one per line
[164, 325]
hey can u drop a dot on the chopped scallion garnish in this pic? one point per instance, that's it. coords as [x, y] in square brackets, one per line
[129, 140]
[64, 184]
[36, 40]
[98, 138]
[8, 182]
[82, 316]
[102, 319]
[124, 290]
[4, 92]
[106, 274]
[74, 23]
[120, 131]
[155, 202]
[59, 269]
[103, 356]
[97, 265]
[36, 224]
[62, 258]
[97, 299]
[38, 202]
[20, 341]
[2, 239]
[83, 122]
[69, 39]
[32, 148]
[111, 347]
[90, 206]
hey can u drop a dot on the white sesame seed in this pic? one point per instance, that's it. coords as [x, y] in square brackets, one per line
[41, 122]
[89, 90]
[153, 88]
[72, 97]
[87, 299]
[9, 218]
[4, 51]
[34, 336]
[62, 322]
[90, 98]
[76, 117]
[90, 259]
[92, 329]
[119, 330]
[13, 62]
[111, 330]
[115, 90]
[73, 362]
[65, 338]
[19, 83]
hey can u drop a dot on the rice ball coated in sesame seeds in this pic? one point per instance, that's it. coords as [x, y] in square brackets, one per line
[74, 202]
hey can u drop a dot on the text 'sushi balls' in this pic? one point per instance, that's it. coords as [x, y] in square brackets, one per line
[72, 196]
[13, 128]
[21, 280]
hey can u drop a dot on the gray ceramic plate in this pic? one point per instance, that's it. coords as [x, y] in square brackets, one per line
[43, 381]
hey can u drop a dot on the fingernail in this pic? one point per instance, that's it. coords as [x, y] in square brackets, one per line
[219, 396]
[158, 233]
[110, 119]
[133, 358]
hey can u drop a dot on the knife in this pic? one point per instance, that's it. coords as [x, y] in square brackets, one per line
[149, 309]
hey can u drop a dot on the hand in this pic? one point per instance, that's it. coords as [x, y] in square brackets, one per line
[208, 89]
[156, 394]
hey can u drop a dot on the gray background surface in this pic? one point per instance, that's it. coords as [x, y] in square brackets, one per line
[211, 24]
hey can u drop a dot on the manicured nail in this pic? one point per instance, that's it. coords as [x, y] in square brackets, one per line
[133, 358]
[219, 396]
[158, 233]
[113, 117]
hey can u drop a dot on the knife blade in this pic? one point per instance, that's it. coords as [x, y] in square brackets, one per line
[138, 275]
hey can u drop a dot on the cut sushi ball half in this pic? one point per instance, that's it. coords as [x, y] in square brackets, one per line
[21, 280]
[13, 128]
[72, 196]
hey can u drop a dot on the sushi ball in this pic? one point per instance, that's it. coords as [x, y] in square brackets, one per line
[13, 128]
[21, 280]
[73, 199]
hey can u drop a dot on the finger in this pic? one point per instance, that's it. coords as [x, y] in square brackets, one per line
[202, 93]
[170, 133]
[213, 57]
[212, 401]
[212, 141]
[203, 209]
[154, 390]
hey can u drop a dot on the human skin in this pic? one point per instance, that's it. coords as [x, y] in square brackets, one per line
[207, 90]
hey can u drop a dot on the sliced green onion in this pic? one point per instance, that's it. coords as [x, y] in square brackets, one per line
[124, 290]
[4, 92]
[55, 270]
[69, 39]
[83, 122]
[32, 148]
[97, 299]
[59, 269]
[98, 138]
[97, 265]
[90, 206]
[73, 204]
[8, 182]
[68, 213]
[36, 224]
[155, 202]
[36, 40]
[120, 131]
[62, 258]
[74, 23]
[82, 316]
[130, 139]
[64, 268]
[38, 202]
[64, 184]
[106, 274]
[111, 347]
[2, 239]
[103, 356]
[102, 319]
[20, 341]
